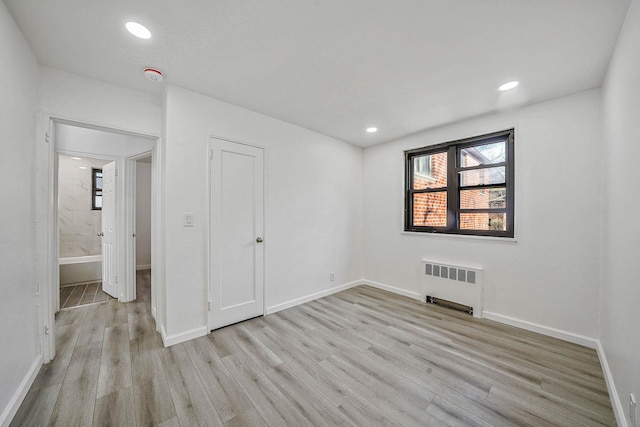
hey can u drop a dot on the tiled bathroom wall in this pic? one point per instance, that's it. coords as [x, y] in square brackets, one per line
[78, 224]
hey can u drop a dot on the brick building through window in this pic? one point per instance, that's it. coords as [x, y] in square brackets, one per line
[461, 187]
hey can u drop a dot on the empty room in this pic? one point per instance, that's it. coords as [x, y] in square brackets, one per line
[305, 213]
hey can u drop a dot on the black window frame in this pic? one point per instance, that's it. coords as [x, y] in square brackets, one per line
[453, 187]
[95, 190]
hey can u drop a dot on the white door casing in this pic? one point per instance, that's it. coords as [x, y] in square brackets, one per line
[109, 244]
[236, 283]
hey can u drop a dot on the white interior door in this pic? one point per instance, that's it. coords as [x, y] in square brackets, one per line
[109, 246]
[237, 224]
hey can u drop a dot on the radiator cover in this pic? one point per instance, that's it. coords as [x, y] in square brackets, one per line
[455, 283]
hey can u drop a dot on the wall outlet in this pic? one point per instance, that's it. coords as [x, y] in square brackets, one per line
[332, 276]
[632, 410]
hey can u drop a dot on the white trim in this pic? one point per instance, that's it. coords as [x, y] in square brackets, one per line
[461, 236]
[169, 340]
[311, 297]
[410, 294]
[79, 259]
[18, 397]
[541, 329]
[618, 410]
[143, 267]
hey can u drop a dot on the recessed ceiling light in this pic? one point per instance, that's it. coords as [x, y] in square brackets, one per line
[138, 30]
[508, 85]
[76, 158]
[82, 167]
[372, 130]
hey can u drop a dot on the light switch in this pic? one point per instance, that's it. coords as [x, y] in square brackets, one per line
[188, 219]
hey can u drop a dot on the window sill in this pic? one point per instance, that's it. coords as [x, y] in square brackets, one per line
[461, 236]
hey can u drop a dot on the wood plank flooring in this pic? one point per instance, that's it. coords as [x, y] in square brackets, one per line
[361, 357]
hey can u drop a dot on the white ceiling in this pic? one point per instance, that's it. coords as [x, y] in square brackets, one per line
[337, 66]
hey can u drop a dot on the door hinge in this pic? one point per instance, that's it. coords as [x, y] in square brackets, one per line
[211, 154]
[116, 279]
[209, 305]
[46, 329]
[47, 136]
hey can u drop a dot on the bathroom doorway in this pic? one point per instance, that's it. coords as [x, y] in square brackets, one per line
[80, 230]
[84, 141]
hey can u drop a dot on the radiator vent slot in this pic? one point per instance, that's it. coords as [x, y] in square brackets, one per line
[453, 273]
[453, 286]
[450, 304]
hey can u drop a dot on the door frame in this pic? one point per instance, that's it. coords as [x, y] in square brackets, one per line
[46, 224]
[55, 212]
[131, 166]
[208, 158]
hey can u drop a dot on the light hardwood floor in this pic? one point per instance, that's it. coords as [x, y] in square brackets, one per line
[361, 357]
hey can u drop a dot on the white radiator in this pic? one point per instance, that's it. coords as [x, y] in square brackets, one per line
[453, 283]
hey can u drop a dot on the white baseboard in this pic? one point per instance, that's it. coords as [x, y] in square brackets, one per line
[169, 340]
[17, 398]
[143, 267]
[541, 329]
[618, 410]
[311, 297]
[399, 291]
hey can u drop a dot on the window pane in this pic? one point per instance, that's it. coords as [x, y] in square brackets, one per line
[483, 198]
[483, 221]
[99, 181]
[430, 209]
[430, 171]
[483, 154]
[98, 201]
[483, 176]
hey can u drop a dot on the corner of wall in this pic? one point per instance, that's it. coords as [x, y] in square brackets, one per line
[18, 397]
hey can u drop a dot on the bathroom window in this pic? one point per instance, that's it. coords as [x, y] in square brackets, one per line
[96, 189]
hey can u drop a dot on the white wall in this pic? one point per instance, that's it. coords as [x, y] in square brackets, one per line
[143, 214]
[549, 276]
[620, 296]
[313, 206]
[73, 97]
[18, 310]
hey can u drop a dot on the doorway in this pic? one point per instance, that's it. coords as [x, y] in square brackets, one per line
[83, 140]
[236, 288]
[80, 225]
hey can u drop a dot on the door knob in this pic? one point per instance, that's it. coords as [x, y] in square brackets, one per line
[259, 240]
[101, 234]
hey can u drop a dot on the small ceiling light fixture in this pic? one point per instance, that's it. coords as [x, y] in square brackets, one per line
[82, 167]
[138, 30]
[372, 130]
[508, 85]
[76, 158]
[154, 75]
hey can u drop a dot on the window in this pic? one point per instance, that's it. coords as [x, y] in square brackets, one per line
[96, 189]
[461, 187]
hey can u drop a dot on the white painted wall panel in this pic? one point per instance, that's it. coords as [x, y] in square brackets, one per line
[78, 98]
[549, 276]
[313, 205]
[620, 295]
[18, 310]
[143, 214]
